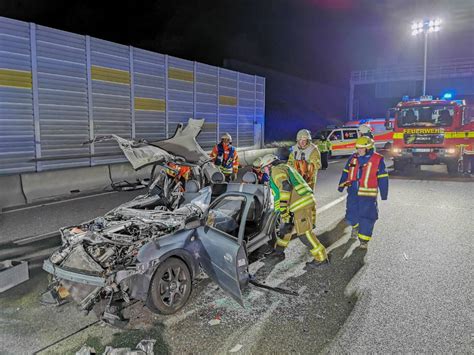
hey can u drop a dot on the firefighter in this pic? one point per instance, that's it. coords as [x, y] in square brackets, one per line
[468, 159]
[225, 157]
[366, 131]
[305, 158]
[294, 199]
[178, 172]
[261, 167]
[364, 175]
[324, 147]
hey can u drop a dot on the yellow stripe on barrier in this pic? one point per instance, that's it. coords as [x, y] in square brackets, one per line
[180, 74]
[209, 126]
[147, 104]
[227, 100]
[15, 78]
[110, 75]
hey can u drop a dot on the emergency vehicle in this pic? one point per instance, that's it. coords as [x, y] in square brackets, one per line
[429, 132]
[343, 138]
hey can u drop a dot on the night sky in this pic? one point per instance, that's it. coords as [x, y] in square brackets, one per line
[321, 40]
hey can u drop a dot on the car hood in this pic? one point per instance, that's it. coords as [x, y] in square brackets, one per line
[182, 146]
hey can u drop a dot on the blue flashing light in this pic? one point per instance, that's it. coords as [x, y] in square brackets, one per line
[406, 98]
[448, 96]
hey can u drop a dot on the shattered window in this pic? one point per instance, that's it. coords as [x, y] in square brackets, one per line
[226, 215]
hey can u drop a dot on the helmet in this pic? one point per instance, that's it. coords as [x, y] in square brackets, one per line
[269, 159]
[364, 142]
[257, 163]
[303, 134]
[226, 135]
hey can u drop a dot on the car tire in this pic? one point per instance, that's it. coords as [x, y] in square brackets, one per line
[170, 287]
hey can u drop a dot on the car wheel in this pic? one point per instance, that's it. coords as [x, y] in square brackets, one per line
[170, 287]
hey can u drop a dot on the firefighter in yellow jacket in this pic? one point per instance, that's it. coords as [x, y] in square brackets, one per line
[294, 199]
[305, 157]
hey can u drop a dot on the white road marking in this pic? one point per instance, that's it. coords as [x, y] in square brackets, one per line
[331, 204]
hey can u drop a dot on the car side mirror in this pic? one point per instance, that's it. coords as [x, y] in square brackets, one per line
[193, 223]
[388, 123]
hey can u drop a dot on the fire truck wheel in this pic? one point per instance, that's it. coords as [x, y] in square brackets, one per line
[399, 165]
[452, 167]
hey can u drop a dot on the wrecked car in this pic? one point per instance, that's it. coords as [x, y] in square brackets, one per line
[148, 252]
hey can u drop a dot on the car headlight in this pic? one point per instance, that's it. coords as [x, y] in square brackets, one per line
[396, 150]
[450, 150]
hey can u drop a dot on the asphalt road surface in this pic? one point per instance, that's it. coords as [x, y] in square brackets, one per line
[411, 292]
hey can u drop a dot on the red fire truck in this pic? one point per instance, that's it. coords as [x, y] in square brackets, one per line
[429, 132]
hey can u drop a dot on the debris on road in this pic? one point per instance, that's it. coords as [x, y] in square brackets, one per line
[12, 273]
[236, 348]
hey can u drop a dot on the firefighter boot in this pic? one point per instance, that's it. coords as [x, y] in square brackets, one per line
[364, 244]
[319, 251]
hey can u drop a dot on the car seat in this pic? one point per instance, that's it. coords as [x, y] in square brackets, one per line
[249, 178]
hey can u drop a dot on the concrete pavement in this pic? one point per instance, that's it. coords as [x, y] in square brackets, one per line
[416, 290]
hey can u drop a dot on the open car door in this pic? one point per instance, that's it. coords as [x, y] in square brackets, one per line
[222, 253]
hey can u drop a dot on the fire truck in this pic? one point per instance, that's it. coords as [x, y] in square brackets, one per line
[429, 132]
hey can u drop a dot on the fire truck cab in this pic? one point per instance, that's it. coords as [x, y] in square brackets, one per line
[429, 132]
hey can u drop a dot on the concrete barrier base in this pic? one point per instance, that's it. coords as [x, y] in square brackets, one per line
[17, 190]
[11, 192]
[63, 183]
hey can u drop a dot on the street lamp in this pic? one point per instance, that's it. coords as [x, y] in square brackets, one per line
[425, 27]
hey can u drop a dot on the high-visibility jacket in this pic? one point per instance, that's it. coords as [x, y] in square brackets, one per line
[324, 146]
[307, 161]
[226, 158]
[366, 174]
[283, 180]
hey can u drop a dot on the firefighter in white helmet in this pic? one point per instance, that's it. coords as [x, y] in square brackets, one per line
[225, 157]
[261, 167]
[305, 157]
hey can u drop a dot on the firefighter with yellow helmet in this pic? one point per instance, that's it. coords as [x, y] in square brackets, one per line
[364, 175]
[305, 157]
[294, 199]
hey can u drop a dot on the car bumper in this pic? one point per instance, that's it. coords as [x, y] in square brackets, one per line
[73, 276]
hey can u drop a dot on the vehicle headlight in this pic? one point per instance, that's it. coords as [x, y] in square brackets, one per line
[450, 150]
[396, 150]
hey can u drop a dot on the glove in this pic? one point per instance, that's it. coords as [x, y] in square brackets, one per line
[286, 228]
[285, 217]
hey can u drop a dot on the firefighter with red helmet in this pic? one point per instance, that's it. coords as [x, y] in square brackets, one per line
[225, 157]
[364, 175]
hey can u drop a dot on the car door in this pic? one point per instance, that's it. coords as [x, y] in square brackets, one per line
[337, 143]
[349, 137]
[222, 252]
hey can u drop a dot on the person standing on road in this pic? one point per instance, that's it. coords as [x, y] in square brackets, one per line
[324, 147]
[305, 158]
[225, 157]
[364, 175]
[295, 201]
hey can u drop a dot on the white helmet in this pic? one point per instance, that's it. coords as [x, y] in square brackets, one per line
[269, 159]
[257, 163]
[226, 135]
[303, 134]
